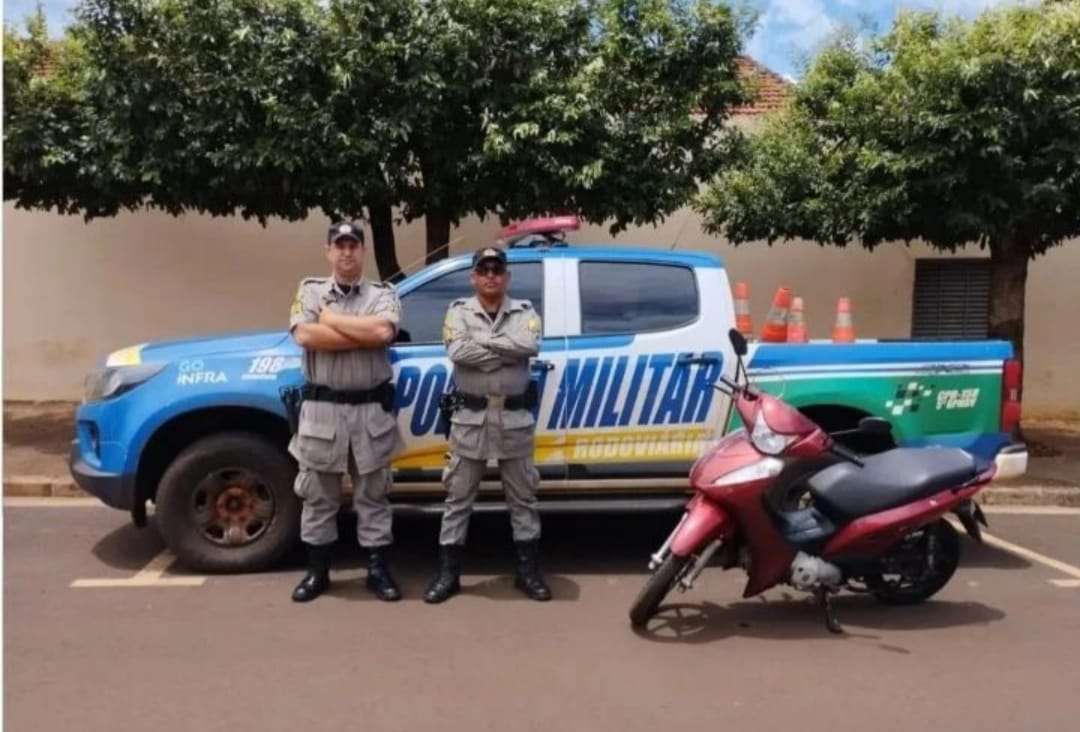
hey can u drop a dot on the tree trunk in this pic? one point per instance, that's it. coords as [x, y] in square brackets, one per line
[437, 222]
[1008, 282]
[382, 235]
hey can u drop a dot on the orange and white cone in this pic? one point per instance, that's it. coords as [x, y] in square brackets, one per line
[775, 330]
[796, 322]
[844, 330]
[742, 310]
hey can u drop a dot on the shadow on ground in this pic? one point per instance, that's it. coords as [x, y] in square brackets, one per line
[793, 618]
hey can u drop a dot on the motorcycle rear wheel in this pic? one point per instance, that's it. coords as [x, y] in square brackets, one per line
[939, 543]
[656, 589]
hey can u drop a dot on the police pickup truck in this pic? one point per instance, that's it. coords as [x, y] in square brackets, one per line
[633, 340]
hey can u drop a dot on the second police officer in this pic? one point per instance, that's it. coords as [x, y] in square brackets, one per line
[490, 338]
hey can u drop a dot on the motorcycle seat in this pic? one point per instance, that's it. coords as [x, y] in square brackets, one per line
[845, 491]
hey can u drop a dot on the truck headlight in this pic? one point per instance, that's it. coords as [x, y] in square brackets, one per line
[115, 380]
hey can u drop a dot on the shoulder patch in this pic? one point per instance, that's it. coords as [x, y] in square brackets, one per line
[382, 285]
[459, 302]
[297, 306]
[314, 280]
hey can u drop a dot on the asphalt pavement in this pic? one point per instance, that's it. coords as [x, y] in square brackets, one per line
[100, 634]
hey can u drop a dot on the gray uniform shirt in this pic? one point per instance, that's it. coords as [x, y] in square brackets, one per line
[491, 358]
[326, 430]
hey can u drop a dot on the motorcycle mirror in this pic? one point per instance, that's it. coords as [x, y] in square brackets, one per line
[875, 426]
[738, 341]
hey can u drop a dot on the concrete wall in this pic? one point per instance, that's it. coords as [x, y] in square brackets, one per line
[74, 291]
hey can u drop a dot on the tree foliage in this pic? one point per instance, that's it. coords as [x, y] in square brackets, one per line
[942, 130]
[439, 109]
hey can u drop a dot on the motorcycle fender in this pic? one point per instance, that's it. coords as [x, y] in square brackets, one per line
[706, 521]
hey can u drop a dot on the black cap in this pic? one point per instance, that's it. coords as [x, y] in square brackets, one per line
[489, 253]
[346, 230]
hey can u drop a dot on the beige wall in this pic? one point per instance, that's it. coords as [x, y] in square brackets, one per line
[74, 291]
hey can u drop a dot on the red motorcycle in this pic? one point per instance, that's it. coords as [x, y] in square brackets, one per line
[873, 524]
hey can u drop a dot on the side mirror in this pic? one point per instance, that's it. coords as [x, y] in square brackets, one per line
[738, 341]
[875, 426]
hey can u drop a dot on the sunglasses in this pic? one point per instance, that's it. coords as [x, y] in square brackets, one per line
[495, 270]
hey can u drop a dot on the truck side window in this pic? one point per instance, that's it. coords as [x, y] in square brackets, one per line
[636, 297]
[424, 309]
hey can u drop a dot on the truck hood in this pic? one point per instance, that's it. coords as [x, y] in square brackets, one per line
[158, 351]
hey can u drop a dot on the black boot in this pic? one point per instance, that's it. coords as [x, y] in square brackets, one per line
[379, 579]
[317, 579]
[527, 578]
[447, 582]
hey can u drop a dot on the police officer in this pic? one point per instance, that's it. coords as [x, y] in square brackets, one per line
[490, 338]
[345, 324]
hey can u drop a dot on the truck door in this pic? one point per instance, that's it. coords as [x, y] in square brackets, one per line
[636, 409]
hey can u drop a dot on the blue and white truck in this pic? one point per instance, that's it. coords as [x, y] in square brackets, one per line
[633, 340]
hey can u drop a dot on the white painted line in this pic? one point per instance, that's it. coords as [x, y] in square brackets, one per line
[1066, 583]
[149, 576]
[1034, 556]
[1032, 510]
[54, 502]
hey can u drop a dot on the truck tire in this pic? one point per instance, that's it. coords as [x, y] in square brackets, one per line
[226, 504]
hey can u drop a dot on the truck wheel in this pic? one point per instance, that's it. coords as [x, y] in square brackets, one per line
[226, 504]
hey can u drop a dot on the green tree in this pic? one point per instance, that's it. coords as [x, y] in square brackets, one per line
[428, 108]
[944, 131]
[43, 115]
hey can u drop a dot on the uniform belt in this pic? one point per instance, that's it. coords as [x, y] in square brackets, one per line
[319, 393]
[513, 401]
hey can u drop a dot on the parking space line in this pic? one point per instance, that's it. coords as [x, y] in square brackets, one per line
[149, 576]
[1066, 583]
[1034, 556]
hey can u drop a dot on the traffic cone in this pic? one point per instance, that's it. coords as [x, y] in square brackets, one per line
[775, 330]
[796, 322]
[844, 330]
[742, 310]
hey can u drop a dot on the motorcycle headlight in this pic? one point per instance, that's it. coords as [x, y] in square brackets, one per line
[764, 468]
[115, 380]
[766, 440]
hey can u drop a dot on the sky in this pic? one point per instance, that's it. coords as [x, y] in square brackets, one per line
[788, 31]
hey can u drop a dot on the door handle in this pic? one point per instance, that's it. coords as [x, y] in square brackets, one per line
[691, 359]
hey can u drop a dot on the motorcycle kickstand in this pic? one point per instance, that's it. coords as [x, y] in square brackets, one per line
[826, 605]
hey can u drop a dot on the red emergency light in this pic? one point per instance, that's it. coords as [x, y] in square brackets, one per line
[549, 227]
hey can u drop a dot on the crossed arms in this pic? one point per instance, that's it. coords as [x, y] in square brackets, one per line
[488, 351]
[336, 331]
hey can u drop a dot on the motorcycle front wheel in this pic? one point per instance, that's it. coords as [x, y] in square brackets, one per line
[656, 589]
[918, 567]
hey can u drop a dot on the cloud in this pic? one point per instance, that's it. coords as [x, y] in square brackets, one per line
[789, 29]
